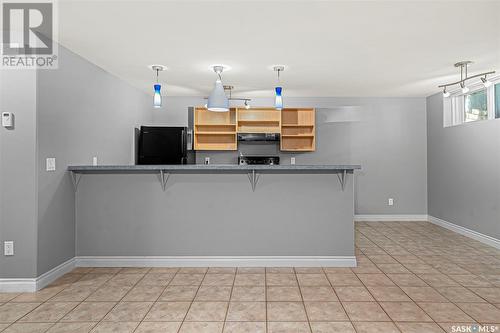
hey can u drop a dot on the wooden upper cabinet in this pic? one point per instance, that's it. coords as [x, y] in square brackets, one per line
[298, 129]
[214, 130]
[258, 120]
[218, 130]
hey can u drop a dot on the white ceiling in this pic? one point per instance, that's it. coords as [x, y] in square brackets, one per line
[331, 48]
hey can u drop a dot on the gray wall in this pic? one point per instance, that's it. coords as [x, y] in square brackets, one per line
[18, 173]
[214, 215]
[387, 136]
[464, 171]
[83, 112]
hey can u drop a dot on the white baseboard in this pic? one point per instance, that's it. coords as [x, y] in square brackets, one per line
[17, 285]
[466, 232]
[390, 218]
[34, 284]
[217, 261]
[55, 273]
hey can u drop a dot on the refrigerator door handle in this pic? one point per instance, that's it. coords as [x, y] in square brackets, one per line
[189, 135]
[183, 145]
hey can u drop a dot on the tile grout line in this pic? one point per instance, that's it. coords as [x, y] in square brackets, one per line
[114, 306]
[302, 298]
[229, 302]
[155, 301]
[192, 301]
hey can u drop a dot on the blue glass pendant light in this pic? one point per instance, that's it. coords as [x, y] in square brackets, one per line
[157, 87]
[278, 99]
[157, 96]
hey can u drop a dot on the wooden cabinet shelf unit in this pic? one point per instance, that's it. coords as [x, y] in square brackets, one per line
[218, 130]
[258, 120]
[298, 131]
[214, 130]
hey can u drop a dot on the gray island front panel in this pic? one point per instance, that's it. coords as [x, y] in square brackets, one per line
[214, 215]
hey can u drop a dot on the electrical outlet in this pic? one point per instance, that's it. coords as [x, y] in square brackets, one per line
[292, 160]
[8, 248]
[390, 202]
[94, 161]
[50, 164]
[207, 160]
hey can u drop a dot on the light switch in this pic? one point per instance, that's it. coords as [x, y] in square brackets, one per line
[8, 248]
[7, 119]
[50, 164]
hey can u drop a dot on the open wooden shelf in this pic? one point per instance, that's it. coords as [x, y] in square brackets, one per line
[258, 120]
[295, 125]
[214, 133]
[214, 130]
[298, 129]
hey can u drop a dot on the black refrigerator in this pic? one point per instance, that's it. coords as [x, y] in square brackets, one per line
[165, 145]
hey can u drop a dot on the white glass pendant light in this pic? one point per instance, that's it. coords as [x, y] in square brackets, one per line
[217, 100]
[157, 100]
[278, 97]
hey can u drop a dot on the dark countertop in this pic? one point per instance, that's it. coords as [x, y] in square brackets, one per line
[196, 168]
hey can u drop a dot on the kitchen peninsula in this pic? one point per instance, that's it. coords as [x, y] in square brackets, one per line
[215, 215]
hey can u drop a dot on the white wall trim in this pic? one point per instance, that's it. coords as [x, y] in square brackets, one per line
[390, 218]
[466, 232]
[48, 277]
[34, 284]
[217, 261]
[17, 285]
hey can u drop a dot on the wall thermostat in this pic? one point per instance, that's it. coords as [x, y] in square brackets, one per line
[7, 119]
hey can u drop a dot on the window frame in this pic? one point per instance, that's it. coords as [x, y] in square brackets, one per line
[454, 117]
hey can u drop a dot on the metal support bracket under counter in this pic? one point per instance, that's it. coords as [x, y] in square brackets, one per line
[253, 172]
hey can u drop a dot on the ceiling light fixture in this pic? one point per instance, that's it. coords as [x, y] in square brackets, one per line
[230, 98]
[465, 89]
[445, 93]
[465, 77]
[278, 99]
[157, 86]
[217, 100]
[487, 83]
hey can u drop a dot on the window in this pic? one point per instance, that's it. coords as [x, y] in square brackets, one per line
[476, 106]
[481, 103]
[497, 100]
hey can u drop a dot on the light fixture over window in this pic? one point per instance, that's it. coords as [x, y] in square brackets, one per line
[278, 98]
[217, 100]
[464, 77]
[157, 100]
[446, 93]
[487, 83]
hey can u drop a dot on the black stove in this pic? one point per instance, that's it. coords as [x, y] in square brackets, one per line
[264, 160]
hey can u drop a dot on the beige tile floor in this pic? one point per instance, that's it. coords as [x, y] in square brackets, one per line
[411, 277]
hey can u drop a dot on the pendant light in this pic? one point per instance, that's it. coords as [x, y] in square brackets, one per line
[278, 99]
[157, 87]
[217, 100]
